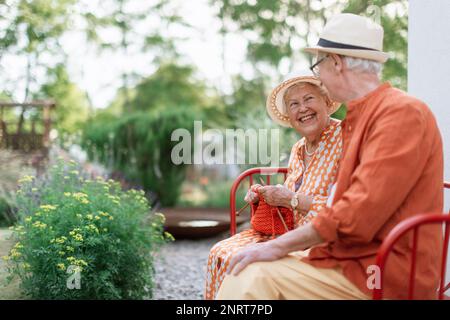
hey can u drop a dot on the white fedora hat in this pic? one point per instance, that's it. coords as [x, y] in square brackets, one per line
[276, 108]
[352, 35]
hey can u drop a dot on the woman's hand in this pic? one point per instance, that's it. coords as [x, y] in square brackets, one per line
[265, 251]
[277, 195]
[252, 196]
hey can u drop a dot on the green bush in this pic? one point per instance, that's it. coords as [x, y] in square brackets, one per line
[13, 166]
[6, 213]
[72, 226]
[139, 145]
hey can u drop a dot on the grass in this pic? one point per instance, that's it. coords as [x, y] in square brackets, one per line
[9, 291]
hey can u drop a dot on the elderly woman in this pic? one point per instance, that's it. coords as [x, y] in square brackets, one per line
[303, 104]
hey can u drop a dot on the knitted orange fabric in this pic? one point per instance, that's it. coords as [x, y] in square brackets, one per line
[266, 219]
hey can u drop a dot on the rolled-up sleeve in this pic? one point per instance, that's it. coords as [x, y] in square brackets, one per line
[390, 162]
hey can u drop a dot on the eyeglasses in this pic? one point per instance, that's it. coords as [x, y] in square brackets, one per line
[315, 67]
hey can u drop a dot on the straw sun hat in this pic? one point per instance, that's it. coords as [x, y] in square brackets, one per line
[276, 108]
[352, 35]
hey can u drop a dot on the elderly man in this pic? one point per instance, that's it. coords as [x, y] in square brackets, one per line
[391, 169]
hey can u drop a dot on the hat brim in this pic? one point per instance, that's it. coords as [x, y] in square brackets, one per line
[363, 54]
[275, 104]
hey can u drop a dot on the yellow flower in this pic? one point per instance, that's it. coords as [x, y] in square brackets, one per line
[74, 172]
[18, 245]
[61, 266]
[70, 249]
[26, 266]
[78, 237]
[28, 219]
[47, 207]
[79, 195]
[67, 194]
[90, 216]
[40, 225]
[6, 258]
[161, 216]
[92, 227]
[34, 189]
[104, 214]
[15, 253]
[70, 259]
[111, 218]
[97, 218]
[61, 240]
[79, 216]
[61, 253]
[81, 262]
[169, 236]
[26, 179]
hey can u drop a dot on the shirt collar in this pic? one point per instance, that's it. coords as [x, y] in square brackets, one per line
[359, 101]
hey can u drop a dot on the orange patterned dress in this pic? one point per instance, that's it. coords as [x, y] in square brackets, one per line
[315, 180]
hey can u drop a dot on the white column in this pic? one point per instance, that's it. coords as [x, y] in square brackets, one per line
[429, 65]
[429, 68]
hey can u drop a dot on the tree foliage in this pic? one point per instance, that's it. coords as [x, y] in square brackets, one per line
[277, 30]
[72, 104]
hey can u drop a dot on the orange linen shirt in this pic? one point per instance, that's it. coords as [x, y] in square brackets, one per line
[390, 170]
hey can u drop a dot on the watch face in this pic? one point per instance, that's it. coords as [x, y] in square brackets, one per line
[294, 202]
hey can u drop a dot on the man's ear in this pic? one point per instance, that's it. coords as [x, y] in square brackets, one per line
[338, 63]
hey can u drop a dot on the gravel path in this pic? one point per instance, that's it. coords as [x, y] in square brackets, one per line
[181, 267]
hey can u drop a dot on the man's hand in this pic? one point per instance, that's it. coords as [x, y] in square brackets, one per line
[277, 195]
[266, 251]
[301, 238]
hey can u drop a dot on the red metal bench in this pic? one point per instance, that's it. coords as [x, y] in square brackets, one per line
[411, 223]
[414, 223]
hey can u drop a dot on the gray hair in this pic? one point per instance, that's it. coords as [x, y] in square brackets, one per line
[362, 65]
[359, 64]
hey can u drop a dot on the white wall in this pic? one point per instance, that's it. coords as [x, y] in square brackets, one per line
[429, 65]
[429, 68]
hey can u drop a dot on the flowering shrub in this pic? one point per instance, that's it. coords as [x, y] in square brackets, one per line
[83, 239]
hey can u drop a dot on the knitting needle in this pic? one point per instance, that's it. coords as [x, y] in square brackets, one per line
[248, 203]
[242, 209]
[282, 220]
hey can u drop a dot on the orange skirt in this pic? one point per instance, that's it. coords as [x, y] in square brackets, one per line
[220, 257]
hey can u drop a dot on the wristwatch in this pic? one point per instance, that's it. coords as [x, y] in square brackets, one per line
[294, 202]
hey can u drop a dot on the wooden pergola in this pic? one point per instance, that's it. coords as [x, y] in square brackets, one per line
[14, 134]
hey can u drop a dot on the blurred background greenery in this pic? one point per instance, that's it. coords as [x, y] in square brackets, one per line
[131, 136]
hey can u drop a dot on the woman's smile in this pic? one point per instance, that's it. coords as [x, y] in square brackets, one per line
[307, 119]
